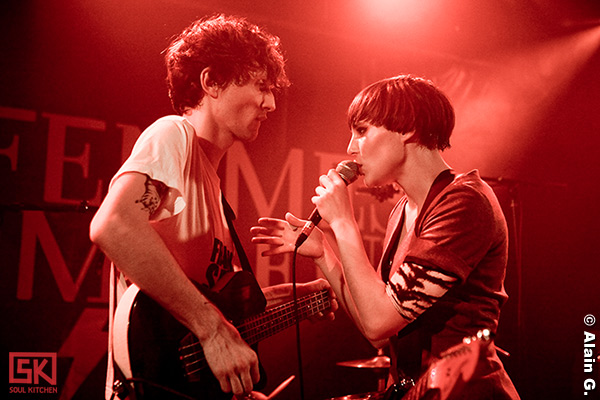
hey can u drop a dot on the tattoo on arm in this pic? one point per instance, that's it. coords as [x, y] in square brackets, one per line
[152, 197]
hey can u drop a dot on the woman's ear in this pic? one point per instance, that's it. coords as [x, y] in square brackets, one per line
[209, 86]
[409, 137]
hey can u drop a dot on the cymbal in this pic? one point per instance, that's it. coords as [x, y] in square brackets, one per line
[378, 362]
[361, 396]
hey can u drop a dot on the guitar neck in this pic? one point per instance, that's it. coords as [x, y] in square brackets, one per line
[276, 319]
[256, 328]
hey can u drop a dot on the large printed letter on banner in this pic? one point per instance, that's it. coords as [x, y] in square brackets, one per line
[291, 171]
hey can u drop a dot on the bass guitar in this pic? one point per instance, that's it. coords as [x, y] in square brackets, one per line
[162, 359]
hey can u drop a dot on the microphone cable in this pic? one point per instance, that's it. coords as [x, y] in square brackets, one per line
[349, 171]
[297, 315]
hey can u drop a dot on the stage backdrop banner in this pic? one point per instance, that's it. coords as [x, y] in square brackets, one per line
[55, 170]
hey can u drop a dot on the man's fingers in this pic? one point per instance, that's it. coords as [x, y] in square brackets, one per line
[247, 383]
[236, 385]
[225, 385]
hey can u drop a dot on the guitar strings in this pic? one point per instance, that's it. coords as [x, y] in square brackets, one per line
[318, 306]
[312, 304]
[320, 299]
[319, 303]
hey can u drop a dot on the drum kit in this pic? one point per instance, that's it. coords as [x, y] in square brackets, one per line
[380, 365]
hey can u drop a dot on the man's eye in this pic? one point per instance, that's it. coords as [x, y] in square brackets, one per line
[264, 86]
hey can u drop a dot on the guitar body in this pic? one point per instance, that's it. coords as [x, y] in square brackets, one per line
[147, 341]
[445, 378]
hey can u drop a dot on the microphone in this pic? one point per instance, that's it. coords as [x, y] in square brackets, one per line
[349, 172]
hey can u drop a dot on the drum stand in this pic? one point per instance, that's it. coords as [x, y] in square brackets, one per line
[380, 365]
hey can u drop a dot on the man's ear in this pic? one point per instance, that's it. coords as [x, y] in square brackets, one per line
[209, 86]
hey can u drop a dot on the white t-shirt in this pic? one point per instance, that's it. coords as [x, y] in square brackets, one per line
[190, 219]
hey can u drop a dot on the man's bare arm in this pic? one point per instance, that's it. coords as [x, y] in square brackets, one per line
[121, 228]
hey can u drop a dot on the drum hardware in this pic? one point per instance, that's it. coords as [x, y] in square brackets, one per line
[380, 364]
[361, 396]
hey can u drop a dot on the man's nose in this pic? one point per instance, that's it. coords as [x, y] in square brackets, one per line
[269, 102]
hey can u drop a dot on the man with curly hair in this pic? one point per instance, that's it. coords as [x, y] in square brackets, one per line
[162, 222]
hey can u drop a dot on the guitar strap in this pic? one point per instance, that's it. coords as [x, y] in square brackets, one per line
[410, 335]
[441, 181]
[230, 217]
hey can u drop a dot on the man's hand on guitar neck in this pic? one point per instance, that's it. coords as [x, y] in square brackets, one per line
[283, 293]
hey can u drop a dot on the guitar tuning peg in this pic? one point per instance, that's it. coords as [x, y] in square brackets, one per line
[483, 334]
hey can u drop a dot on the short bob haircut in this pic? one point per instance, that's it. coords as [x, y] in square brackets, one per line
[406, 104]
[233, 48]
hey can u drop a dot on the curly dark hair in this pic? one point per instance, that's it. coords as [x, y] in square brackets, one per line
[232, 47]
[405, 104]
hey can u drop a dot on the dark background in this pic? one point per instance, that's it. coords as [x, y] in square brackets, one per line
[524, 78]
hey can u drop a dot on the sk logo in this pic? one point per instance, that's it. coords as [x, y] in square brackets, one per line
[28, 368]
